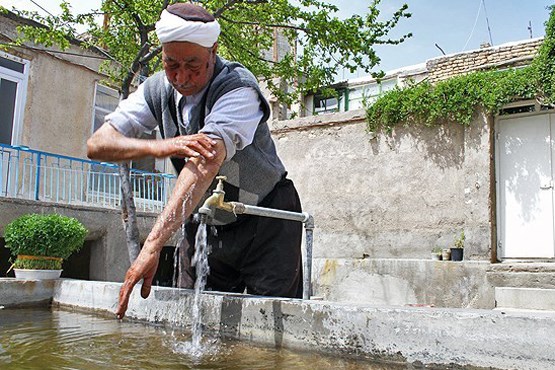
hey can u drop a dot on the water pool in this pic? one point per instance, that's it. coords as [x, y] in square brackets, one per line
[58, 339]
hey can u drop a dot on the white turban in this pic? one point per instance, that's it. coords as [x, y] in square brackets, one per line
[172, 28]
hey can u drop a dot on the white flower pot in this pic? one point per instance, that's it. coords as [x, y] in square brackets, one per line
[37, 274]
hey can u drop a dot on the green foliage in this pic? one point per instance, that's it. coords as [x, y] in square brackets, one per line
[324, 43]
[457, 98]
[44, 235]
[544, 63]
[454, 99]
[37, 264]
[459, 241]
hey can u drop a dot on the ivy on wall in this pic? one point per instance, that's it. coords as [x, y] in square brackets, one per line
[544, 63]
[457, 98]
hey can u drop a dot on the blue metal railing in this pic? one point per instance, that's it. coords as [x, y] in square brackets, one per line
[35, 175]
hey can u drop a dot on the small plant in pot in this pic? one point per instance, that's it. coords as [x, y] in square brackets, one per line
[40, 243]
[457, 249]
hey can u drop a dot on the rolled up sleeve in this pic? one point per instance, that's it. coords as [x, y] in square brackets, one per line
[132, 117]
[234, 119]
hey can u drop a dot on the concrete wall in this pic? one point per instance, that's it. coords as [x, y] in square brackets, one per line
[109, 257]
[58, 112]
[382, 202]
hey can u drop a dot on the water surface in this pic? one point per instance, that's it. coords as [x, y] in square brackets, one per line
[44, 339]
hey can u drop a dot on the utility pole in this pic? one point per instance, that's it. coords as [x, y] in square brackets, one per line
[530, 28]
[487, 22]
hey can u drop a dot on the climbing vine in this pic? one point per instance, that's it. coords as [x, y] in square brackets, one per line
[456, 99]
[544, 63]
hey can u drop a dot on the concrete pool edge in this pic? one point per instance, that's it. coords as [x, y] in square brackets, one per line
[478, 338]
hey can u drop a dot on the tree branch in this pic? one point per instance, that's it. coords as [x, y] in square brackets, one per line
[249, 52]
[231, 3]
[305, 30]
[134, 68]
[148, 57]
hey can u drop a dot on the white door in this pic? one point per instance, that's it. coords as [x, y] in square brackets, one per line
[525, 173]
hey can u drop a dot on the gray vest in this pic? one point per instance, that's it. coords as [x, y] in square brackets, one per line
[252, 172]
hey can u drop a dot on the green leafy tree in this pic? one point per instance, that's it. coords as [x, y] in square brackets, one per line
[322, 43]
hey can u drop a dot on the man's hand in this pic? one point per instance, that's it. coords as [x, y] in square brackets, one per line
[187, 146]
[144, 268]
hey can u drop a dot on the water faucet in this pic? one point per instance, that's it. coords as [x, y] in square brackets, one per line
[216, 200]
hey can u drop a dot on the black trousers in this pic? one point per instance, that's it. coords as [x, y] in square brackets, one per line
[260, 254]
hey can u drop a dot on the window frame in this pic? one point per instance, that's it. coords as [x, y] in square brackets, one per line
[22, 81]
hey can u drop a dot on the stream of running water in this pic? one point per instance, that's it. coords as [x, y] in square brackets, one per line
[200, 263]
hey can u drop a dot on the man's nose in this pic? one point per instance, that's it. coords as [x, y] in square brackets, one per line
[182, 76]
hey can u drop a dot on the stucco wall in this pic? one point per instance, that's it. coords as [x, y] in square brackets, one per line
[58, 111]
[382, 202]
[59, 103]
[390, 196]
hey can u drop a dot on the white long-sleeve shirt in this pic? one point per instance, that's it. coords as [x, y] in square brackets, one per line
[234, 117]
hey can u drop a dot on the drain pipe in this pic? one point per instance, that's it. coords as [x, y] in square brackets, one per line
[216, 201]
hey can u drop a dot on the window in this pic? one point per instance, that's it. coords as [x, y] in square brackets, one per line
[370, 92]
[325, 105]
[13, 90]
[105, 101]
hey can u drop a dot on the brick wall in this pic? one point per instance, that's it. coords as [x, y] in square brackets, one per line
[497, 57]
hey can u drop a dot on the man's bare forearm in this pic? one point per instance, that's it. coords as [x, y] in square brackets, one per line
[192, 183]
[106, 144]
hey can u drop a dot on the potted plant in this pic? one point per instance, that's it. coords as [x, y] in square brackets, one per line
[457, 249]
[436, 253]
[40, 243]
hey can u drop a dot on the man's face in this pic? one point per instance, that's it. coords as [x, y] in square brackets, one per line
[189, 67]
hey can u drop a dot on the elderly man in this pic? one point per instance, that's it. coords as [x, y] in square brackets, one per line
[212, 117]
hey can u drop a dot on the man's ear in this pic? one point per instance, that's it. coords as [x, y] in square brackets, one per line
[214, 50]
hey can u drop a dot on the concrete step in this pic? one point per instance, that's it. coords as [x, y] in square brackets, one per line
[525, 298]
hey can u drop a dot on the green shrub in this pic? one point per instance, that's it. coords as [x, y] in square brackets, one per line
[454, 99]
[44, 235]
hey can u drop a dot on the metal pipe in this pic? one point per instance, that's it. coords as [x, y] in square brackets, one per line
[240, 208]
[307, 282]
[307, 219]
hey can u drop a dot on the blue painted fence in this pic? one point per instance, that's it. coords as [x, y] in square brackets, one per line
[35, 175]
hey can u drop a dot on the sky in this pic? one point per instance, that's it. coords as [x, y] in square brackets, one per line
[454, 25]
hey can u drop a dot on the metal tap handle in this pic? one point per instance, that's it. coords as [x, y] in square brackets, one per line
[220, 185]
